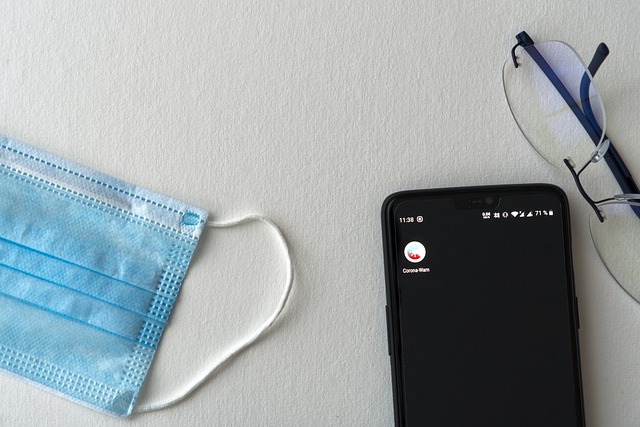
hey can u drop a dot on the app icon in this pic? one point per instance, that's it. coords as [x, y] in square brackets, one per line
[415, 251]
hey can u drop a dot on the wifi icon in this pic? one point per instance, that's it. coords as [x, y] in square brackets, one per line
[514, 213]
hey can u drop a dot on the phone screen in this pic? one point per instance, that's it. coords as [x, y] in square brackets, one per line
[486, 332]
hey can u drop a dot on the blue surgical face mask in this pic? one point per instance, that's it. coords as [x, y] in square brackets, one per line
[90, 268]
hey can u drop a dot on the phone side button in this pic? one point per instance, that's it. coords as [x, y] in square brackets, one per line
[577, 314]
[386, 311]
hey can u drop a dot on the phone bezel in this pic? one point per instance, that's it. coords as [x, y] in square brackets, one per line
[390, 263]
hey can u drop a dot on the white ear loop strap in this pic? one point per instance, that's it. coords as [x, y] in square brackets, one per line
[213, 367]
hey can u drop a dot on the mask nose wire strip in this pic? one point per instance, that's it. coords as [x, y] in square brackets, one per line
[214, 366]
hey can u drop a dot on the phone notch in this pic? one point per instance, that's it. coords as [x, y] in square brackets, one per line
[477, 201]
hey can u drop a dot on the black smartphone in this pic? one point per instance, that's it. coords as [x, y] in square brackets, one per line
[481, 309]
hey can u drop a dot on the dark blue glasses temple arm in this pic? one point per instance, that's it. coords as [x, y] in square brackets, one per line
[585, 84]
[586, 118]
[528, 44]
[613, 159]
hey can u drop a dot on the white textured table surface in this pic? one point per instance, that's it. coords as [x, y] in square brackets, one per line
[311, 113]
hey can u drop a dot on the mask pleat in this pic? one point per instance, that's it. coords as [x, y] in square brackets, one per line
[64, 273]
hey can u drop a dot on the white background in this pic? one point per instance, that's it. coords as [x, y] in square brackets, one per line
[309, 112]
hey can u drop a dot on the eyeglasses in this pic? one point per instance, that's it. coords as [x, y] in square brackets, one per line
[555, 103]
